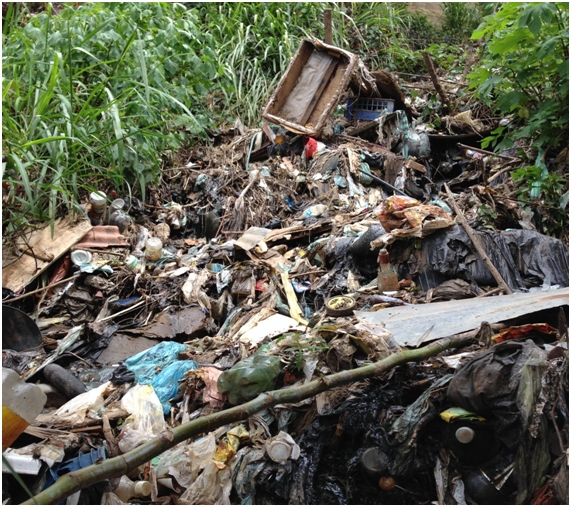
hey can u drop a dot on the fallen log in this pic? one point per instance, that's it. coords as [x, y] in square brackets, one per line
[121, 465]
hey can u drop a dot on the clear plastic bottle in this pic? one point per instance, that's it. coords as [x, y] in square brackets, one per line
[21, 403]
[154, 249]
[128, 489]
[387, 279]
[98, 202]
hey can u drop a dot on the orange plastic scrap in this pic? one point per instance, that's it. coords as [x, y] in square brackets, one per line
[229, 445]
[514, 332]
[544, 496]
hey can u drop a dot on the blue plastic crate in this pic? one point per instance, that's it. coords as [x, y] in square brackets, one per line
[367, 108]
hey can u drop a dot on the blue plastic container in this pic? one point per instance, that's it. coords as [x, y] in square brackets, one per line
[367, 108]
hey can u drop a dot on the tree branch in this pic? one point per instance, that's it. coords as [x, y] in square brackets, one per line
[120, 465]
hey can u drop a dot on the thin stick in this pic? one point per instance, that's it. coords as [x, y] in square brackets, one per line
[499, 173]
[95, 250]
[434, 77]
[17, 298]
[485, 152]
[220, 224]
[121, 465]
[495, 273]
[126, 310]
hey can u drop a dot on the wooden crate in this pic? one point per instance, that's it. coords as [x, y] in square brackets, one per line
[310, 88]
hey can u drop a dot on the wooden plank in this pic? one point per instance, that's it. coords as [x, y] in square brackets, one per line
[408, 324]
[42, 250]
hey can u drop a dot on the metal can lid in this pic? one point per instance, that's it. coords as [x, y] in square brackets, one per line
[465, 434]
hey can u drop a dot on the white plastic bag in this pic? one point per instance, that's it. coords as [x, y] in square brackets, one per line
[146, 420]
[86, 404]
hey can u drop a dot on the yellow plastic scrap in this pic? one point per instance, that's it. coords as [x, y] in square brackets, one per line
[459, 414]
[229, 445]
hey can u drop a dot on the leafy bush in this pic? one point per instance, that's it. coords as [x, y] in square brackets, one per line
[525, 72]
[96, 95]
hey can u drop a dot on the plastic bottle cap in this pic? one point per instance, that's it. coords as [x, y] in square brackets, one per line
[79, 257]
[279, 451]
[465, 435]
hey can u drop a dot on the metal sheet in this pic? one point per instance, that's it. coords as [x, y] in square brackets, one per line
[408, 323]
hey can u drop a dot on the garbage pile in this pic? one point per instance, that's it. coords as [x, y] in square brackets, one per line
[338, 235]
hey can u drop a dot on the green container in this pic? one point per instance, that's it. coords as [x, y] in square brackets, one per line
[250, 377]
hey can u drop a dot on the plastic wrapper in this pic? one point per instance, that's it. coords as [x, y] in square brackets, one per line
[89, 404]
[166, 382]
[179, 467]
[146, 364]
[229, 445]
[210, 393]
[250, 377]
[109, 498]
[146, 420]
[192, 288]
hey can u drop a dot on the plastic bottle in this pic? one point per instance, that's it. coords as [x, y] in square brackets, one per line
[98, 202]
[121, 220]
[154, 249]
[315, 211]
[387, 279]
[128, 489]
[21, 403]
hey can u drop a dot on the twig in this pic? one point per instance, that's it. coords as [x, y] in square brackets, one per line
[499, 173]
[17, 298]
[111, 440]
[126, 310]
[492, 154]
[495, 273]
[91, 365]
[95, 250]
[121, 465]
[316, 272]
[434, 77]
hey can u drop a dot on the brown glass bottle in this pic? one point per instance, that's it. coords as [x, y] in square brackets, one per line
[387, 279]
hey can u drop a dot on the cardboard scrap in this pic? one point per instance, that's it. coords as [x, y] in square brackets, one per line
[40, 250]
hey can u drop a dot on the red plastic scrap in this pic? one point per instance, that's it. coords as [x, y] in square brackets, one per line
[262, 285]
[59, 273]
[515, 332]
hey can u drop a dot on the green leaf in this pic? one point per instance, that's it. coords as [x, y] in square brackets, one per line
[511, 41]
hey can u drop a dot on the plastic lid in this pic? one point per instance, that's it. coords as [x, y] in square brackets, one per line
[97, 198]
[154, 243]
[465, 434]
[279, 451]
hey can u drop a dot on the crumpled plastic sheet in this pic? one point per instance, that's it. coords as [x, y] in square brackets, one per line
[146, 364]
[405, 430]
[166, 382]
[523, 258]
[146, 420]
[488, 383]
